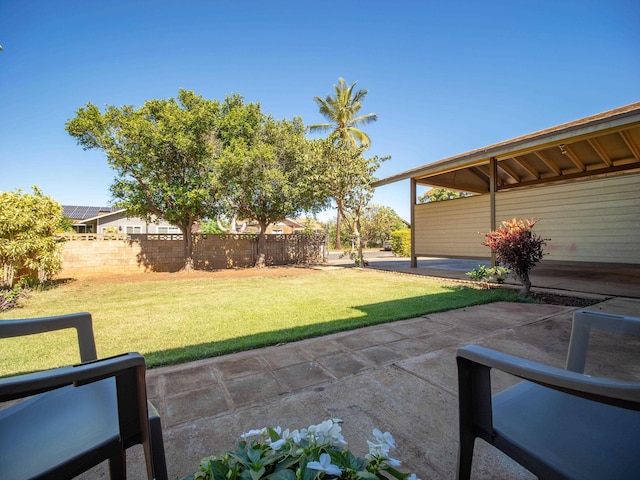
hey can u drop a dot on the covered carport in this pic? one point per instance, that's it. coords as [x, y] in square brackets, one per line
[580, 180]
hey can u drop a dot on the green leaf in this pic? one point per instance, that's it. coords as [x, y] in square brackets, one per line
[282, 475]
[367, 475]
[254, 454]
[394, 472]
[257, 474]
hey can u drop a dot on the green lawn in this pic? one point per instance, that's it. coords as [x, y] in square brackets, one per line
[180, 320]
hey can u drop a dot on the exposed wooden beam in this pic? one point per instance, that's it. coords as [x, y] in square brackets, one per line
[625, 161]
[571, 155]
[572, 176]
[600, 151]
[632, 146]
[479, 174]
[482, 170]
[527, 166]
[452, 184]
[509, 171]
[548, 162]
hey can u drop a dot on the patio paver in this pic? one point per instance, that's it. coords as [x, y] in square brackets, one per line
[399, 377]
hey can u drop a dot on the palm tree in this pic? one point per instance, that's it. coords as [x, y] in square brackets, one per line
[341, 111]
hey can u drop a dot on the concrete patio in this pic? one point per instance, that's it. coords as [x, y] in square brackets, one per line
[399, 377]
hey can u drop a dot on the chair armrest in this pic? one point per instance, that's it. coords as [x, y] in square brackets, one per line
[583, 322]
[21, 386]
[603, 390]
[80, 321]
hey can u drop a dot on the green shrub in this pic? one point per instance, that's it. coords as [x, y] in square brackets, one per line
[401, 243]
[482, 273]
[28, 247]
[9, 297]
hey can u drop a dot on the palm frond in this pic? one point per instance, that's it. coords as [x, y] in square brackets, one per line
[342, 111]
[361, 138]
[321, 127]
[364, 119]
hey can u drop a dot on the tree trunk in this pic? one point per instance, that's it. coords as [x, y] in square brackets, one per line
[360, 254]
[188, 248]
[8, 275]
[338, 226]
[526, 283]
[262, 246]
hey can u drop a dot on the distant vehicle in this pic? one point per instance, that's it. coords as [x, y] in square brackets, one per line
[386, 245]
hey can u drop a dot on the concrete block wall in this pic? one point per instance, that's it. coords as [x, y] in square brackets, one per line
[165, 253]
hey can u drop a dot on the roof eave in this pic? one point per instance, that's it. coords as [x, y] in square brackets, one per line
[530, 142]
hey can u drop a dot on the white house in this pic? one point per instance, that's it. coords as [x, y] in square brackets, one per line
[101, 219]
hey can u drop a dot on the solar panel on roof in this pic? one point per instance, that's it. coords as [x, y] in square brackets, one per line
[83, 212]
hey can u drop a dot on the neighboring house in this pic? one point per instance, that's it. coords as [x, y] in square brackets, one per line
[579, 179]
[101, 219]
[287, 226]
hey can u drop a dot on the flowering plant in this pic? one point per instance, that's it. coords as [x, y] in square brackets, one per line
[518, 247]
[312, 453]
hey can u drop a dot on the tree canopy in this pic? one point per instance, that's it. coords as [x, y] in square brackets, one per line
[378, 222]
[438, 194]
[348, 178]
[188, 160]
[341, 110]
[162, 154]
[28, 248]
[271, 172]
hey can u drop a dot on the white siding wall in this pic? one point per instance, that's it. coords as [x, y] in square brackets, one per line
[453, 228]
[596, 221]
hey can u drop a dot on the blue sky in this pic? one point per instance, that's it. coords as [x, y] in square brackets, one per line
[444, 77]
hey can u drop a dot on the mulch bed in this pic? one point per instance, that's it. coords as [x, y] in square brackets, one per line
[568, 301]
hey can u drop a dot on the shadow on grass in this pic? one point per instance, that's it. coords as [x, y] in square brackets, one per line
[373, 314]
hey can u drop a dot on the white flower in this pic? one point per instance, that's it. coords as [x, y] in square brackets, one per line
[278, 444]
[393, 462]
[327, 432]
[377, 449]
[296, 436]
[252, 433]
[325, 465]
[380, 448]
[412, 477]
[384, 438]
[284, 438]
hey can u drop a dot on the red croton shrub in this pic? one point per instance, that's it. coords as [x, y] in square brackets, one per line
[517, 247]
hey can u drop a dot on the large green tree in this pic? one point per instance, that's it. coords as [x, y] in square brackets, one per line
[270, 171]
[28, 247]
[377, 224]
[342, 114]
[163, 154]
[348, 177]
[438, 194]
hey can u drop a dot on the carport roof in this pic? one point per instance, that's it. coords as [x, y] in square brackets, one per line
[601, 144]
